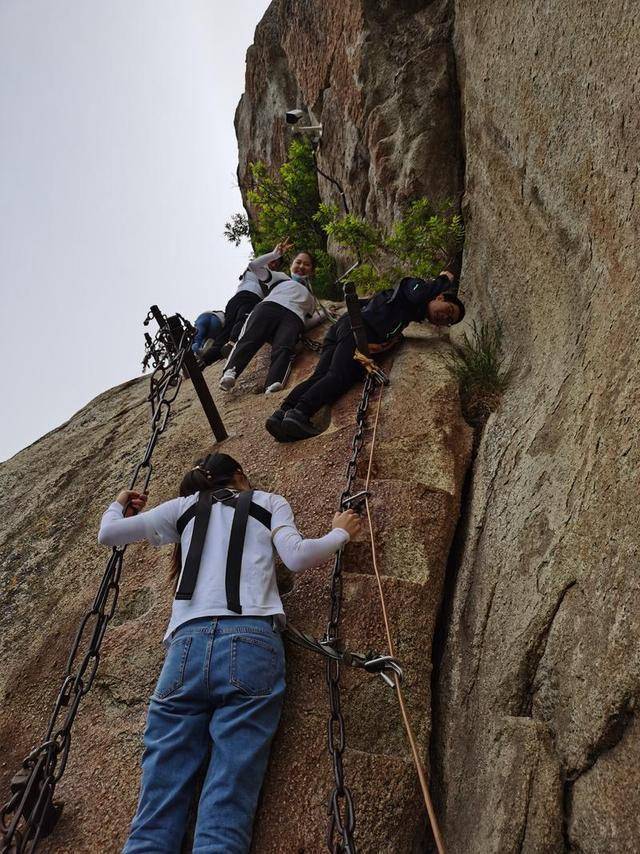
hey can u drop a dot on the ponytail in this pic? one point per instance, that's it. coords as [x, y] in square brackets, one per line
[212, 472]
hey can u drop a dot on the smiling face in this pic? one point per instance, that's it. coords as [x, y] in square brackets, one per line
[442, 313]
[302, 265]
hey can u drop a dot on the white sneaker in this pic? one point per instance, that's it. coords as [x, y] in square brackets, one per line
[273, 388]
[228, 380]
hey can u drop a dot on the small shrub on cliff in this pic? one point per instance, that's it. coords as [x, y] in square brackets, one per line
[478, 365]
[419, 244]
[286, 205]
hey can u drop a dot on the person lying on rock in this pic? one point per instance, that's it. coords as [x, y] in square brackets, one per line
[207, 325]
[222, 684]
[288, 309]
[256, 281]
[385, 316]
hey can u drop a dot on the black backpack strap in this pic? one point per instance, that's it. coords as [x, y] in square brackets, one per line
[260, 514]
[355, 316]
[236, 546]
[192, 564]
[264, 283]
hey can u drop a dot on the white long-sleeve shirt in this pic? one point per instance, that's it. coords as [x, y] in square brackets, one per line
[295, 296]
[258, 588]
[258, 276]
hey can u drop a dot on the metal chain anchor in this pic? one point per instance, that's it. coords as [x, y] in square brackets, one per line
[342, 818]
[31, 813]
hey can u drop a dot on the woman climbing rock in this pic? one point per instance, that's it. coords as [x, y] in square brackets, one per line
[280, 319]
[223, 679]
[384, 317]
[208, 325]
[261, 275]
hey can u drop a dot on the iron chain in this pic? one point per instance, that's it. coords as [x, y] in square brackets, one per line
[342, 817]
[30, 813]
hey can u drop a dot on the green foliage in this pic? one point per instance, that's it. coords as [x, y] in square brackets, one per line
[426, 237]
[286, 205]
[478, 365]
[420, 244]
[237, 228]
[350, 232]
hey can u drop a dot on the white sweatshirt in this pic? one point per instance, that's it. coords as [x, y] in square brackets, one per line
[258, 589]
[295, 296]
[258, 274]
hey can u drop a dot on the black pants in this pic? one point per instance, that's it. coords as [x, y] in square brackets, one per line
[236, 312]
[335, 372]
[273, 323]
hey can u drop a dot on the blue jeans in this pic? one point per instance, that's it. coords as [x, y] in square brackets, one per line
[222, 683]
[207, 325]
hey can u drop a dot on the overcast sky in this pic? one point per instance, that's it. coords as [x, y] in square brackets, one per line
[117, 173]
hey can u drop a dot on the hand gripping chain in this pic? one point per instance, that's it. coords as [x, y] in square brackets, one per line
[31, 813]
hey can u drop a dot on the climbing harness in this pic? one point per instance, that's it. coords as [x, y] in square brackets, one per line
[371, 367]
[200, 511]
[31, 813]
[382, 665]
[362, 352]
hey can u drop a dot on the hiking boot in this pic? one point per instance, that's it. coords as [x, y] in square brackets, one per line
[228, 379]
[273, 388]
[296, 425]
[274, 425]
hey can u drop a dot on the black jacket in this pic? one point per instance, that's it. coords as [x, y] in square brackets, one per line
[390, 311]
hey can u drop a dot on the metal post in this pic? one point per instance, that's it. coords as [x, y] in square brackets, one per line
[175, 326]
[202, 390]
[196, 377]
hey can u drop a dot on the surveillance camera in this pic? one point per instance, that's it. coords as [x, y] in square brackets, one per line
[292, 117]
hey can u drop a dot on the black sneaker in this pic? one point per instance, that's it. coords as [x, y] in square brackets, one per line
[296, 425]
[274, 425]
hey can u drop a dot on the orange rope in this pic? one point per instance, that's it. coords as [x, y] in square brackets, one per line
[422, 775]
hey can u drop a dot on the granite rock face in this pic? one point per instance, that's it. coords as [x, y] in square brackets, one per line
[53, 494]
[540, 675]
[537, 663]
[381, 79]
[534, 739]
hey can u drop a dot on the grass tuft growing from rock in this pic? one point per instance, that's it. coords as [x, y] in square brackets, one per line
[479, 366]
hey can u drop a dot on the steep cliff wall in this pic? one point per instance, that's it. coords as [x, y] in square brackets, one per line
[538, 669]
[53, 494]
[379, 76]
[537, 736]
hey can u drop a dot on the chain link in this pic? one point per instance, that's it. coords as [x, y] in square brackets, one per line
[342, 816]
[30, 813]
